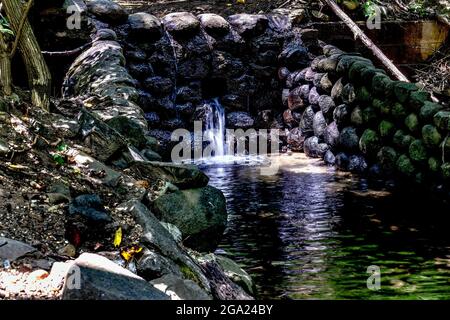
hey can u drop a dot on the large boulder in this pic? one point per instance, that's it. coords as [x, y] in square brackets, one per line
[249, 25]
[181, 23]
[93, 277]
[144, 26]
[214, 24]
[107, 11]
[200, 214]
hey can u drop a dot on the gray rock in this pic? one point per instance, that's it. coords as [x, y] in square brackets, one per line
[319, 124]
[91, 207]
[349, 139]
[200, 214]
[107, 11]
[102, 279]
[12, 250]
[331, 135]
[181, 23]
[183, 176]
[180, 289]
[152, 265]
[129, 129]
[329, 158]
[144, 26]
[239, 120]
[214, 24]
[249, 25]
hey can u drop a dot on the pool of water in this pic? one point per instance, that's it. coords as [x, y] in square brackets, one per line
[310, 232]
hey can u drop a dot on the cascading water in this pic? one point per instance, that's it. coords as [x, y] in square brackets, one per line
[215, 127]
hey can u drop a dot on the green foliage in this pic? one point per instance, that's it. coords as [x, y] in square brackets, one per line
[4, 26]
[369, 9]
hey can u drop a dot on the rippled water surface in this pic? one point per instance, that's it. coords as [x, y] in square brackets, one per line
[309, 232]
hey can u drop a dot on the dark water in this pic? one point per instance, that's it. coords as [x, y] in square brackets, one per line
[309, 232]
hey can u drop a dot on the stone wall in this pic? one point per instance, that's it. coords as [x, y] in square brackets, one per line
[356, 117]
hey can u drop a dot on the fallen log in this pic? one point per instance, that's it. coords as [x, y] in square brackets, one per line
[359, 34]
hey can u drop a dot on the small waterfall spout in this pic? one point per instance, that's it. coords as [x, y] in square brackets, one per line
[215, 127]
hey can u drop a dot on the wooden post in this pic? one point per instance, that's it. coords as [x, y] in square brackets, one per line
[359, 34]
[39, 76]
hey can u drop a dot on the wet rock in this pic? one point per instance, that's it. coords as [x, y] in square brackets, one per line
[180, 289]
[319, 124]
[295, 140]
[152, 265]
[105, 34]
[90, 207]
[159, 86]
[306, 122]
[248, 25]
[107, 11]
[342, 161]
[331, 135]
[233, 102]
[313, 97]
[181, 23]
[341, 115]
[357, 164]
[327, 106]
[239, 120]
[329, 158]
[214, 25]
[369, 142]
[200, 214]
[403, 90]
[349, 139]
[12, 250]
[144, 26]
[102, 279]
[294, 56]
[183, 176]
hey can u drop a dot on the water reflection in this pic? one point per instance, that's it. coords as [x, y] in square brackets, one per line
[310, 232]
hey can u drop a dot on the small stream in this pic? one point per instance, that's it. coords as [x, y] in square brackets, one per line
[310, 232]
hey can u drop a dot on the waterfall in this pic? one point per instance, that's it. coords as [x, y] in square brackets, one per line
[215, 127]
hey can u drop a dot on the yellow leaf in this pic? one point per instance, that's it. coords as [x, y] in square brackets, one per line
[118, 237]
[130, 252]
[240, 1]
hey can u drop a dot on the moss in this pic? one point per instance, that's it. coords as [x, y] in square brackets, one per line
[346, 61]
[405, 166]
[398, 111]
[418, 151]
[386, 129]
[369, 116]
[354, 73]
[428, 110]
[431, 136]
[369, 142]
[381, 85]
[417, 99]
[377, 104]
[403, 90]
[442, 120]
[387, 158]
[368, 73]
[188, 273]
[412, 122]
[402, 140]
[363, 94]
[434, 164]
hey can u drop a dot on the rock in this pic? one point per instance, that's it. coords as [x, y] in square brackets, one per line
[151, 155]
[349, 139]
[403, 90]
[68, 250]
[327, 106]
[283, 73]
[295, 100]
[128, 128]
[336, 91]
[381, 85]
[107, 11]
[152, 265]
[387, 158]
[183, 176]
[248, 25]
[356, 117]
[311, 147]
[291, 118]
[418, 98]
[354, 73]
[363, 95]
[341, 115]
[331, 135]
[159, 86]
[102, 279]
[431, 136]
[157, 237]
[194, 68]
[442, 120]
[428, 111]
[313, 97]
[214, 25]
[418, 151]
[239, 120]
[369, 142]
[445, 168]
[357, 164]
[369, 117]
[294, 55]
[319, 124]
[173, 230]
[329, 158]
[181, 23]
[153, 119]
[12, 250]
[386, 129]
[224, 64]
[412, 123]
[90, 207]
[405, 166]
[295, 140]
[106, 34]
[399, 112]
[200, 214]
[180, 289]
[402, 140]
[348, 95]
[144, 26]
[434, 164]
[342, 161]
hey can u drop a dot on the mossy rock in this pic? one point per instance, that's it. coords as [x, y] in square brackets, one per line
[387, 158]
[434, 164]
[382, 85]
[418, 151]
[336, 91]
[412, 122]
[398, 112]
[444, 147]
[369, 144]
[354, 73]
[402, 140]
[431, 136]
[405, 166]
[349, 139]
[346, 61]
[328, 64]
[356, 117]
[368, 73]
[377, 104]
[417, 99]
[369, 116]
[429, 110]
[363, 95]
[442, 120]
[402, 90]
[386, 129]
[348, 95]
[446, 171]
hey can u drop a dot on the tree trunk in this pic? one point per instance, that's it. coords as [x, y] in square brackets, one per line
[38, 73]
[5, 68]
